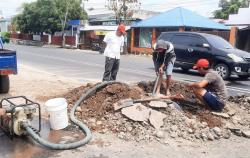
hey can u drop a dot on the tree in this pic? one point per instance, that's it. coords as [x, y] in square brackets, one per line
[121, 8]
[48, 15]
[229, 7]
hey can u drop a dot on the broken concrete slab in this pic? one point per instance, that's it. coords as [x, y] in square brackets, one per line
[158, 104]
[156, 119]
[224, 115]
[137, 112]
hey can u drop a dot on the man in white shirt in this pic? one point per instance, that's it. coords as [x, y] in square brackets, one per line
[113, 42]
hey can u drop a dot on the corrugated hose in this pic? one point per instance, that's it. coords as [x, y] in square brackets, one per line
[83, 127]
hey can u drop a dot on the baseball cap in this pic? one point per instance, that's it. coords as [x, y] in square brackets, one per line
[121, 28]
[201, 63]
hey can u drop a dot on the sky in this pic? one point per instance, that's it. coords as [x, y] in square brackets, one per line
[9, 8]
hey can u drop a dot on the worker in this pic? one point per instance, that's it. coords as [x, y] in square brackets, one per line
[211, 90]
[164, 58]
[2, 111]
[113, 42]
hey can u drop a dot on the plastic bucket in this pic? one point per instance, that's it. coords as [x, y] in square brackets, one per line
[57, 109]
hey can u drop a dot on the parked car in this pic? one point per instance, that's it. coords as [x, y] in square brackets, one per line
[223, 57]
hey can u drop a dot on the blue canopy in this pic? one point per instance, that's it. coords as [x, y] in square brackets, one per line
[179, 17]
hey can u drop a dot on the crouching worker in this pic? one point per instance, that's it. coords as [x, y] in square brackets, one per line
[164, 58]
[211, 90]
[2, 111]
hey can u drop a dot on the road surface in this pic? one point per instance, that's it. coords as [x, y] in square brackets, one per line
[87, 66]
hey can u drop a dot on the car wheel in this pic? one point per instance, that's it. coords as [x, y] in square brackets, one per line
[222, 70]
[184, 69]
[4, 84]
[243, 76]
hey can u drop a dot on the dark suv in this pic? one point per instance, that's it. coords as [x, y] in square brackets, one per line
[223, 57]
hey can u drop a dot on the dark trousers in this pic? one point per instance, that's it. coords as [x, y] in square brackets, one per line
[111, 69]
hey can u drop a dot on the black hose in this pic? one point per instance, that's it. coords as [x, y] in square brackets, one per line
[82, 126]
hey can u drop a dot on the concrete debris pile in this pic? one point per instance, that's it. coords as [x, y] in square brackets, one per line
[160, 120]
[243, 101]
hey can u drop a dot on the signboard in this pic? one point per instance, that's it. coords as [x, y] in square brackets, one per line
[98, 33]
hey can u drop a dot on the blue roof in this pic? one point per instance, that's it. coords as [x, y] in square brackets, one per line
[179, 17]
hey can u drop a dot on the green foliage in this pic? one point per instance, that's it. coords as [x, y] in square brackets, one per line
[5, 36]
[48, 15]
[229, 7]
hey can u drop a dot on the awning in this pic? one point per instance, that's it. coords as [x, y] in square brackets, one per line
[179, 17]
[100, 28]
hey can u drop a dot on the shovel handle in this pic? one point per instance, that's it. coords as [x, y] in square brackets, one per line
[155, 86]
[149, 99]
[177, 96]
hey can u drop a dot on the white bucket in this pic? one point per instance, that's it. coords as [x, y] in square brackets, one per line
[57, 109]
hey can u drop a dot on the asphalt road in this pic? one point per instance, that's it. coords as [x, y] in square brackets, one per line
[88, 66]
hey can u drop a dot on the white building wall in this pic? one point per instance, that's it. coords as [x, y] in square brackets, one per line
[242, 18]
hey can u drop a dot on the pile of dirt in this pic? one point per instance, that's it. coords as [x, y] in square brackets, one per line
[102, 102]
[192, 121]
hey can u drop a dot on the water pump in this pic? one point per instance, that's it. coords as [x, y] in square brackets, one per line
[19, 110]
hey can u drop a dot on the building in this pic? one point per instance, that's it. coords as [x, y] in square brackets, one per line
[98, 25]
[241, 24]
[144, 33]
[5, 25]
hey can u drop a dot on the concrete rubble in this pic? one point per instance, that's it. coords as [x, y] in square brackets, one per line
[246, 134]
[136, 112]
[157, 120]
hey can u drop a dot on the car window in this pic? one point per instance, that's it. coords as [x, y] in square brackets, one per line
[219, 42]
[181, 40]
[193, 41]
[164, 37]
[196, 41]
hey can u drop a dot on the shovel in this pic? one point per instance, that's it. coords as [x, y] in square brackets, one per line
[130, 102]
[156, 83]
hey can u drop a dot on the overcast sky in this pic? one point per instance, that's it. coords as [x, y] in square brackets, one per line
[203, 7]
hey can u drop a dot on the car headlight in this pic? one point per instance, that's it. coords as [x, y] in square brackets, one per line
[235, 58]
